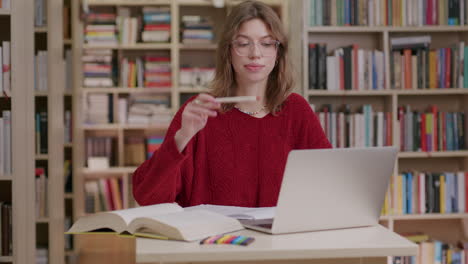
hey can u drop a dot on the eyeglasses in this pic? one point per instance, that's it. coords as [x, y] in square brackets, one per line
[268, 48]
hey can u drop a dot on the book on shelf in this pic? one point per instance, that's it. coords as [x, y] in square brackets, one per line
[5, 4]
[431, 130]
[5, 143]
[416, 192]
[169, 221]
[5, 76]
[98, 68]
[386, 13]
[157, 24]
[40, 71]
[196, 30]
[6, 234]
[348, 68]
[101, 146]
[41, 129]
[103, 195]
[365, 128]
[42, 208]
[100, 28]
[40, 15]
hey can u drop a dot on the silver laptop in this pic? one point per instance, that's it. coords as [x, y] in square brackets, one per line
[330, 189]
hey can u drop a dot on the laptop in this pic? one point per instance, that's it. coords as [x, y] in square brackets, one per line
[330, 189]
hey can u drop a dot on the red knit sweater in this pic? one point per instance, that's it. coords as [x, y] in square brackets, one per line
[236, 159]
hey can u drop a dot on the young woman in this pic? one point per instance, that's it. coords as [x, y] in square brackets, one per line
[235, 154]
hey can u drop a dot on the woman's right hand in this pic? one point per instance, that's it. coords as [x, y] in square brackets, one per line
[194, 118]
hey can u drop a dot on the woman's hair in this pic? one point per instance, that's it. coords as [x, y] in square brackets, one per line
[280, 81]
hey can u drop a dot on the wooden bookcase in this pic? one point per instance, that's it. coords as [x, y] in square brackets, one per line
[179, 54]
[49, 37]
[17, 188]
[446, 227]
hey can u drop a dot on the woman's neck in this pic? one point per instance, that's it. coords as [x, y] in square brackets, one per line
[251, 89]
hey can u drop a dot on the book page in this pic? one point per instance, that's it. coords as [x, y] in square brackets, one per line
[237, 212]
[119, 220]
[150, 210]
[188, 225]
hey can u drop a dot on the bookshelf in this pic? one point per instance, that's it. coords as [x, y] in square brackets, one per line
[448, 227]
[49, 94]
[17, 184]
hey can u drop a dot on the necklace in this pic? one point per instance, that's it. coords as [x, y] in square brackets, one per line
[250, 113]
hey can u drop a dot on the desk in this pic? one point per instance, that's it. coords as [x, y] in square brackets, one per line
[355, 245]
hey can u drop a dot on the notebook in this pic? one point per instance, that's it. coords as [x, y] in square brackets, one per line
[330, 189]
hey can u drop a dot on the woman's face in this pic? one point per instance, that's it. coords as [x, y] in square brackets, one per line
[253, 52]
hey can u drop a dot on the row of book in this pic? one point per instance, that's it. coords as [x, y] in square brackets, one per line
[100, 28]
[98, 109]
[41, 182]
[5, 78]
[104, 194]
[433, 251]
[387, 12]
[68, 129]
[348, 68]
[197, 30]
[145, 109]
[365, 128]
[6, 235]
[433, 130]
[5, 143]
[42, 255]
[421, 68]
[136, 151]
[416, 192]
[157, 24]
[150, 71]
[41, 128]
[97, 68]
[101, 146]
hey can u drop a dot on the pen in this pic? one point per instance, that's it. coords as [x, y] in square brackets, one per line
[237, 99]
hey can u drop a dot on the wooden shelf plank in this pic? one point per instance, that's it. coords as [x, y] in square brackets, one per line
[6, 259]
[128, 2]
[4, 12]
[41, 93]
[42, 157]
[183, 46]
[350, 93]
[123, 90]
[185, 89]
[44, 220]
[67, 41]
[40, 29]
[434, 154]
[381, 29]
[449, 91]
[68, 195]
[6, 177]
[429, 216]
[138, 46]
[68, 145]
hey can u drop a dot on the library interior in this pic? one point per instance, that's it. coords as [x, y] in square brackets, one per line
[90, 90]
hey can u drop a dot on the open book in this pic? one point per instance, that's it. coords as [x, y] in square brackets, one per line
[159, 221]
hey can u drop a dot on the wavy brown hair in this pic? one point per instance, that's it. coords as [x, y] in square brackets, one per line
[280, 81]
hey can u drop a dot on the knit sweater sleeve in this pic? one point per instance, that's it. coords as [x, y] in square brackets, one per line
[309, 134]
[159, 179]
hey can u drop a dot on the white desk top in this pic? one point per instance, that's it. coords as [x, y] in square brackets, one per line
[375, 241]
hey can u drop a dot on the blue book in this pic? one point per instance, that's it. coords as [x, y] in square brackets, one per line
[409, 193]
[437, 252]
[465, 67]
[403, 188]
[455, 193]
[448, 183]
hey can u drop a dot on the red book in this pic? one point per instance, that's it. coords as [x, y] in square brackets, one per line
[389, 141]
[407, 57]
[448, 62]
[444, 135]
[401, 114]
[435, 132]
[429, 13]
[342, 85]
